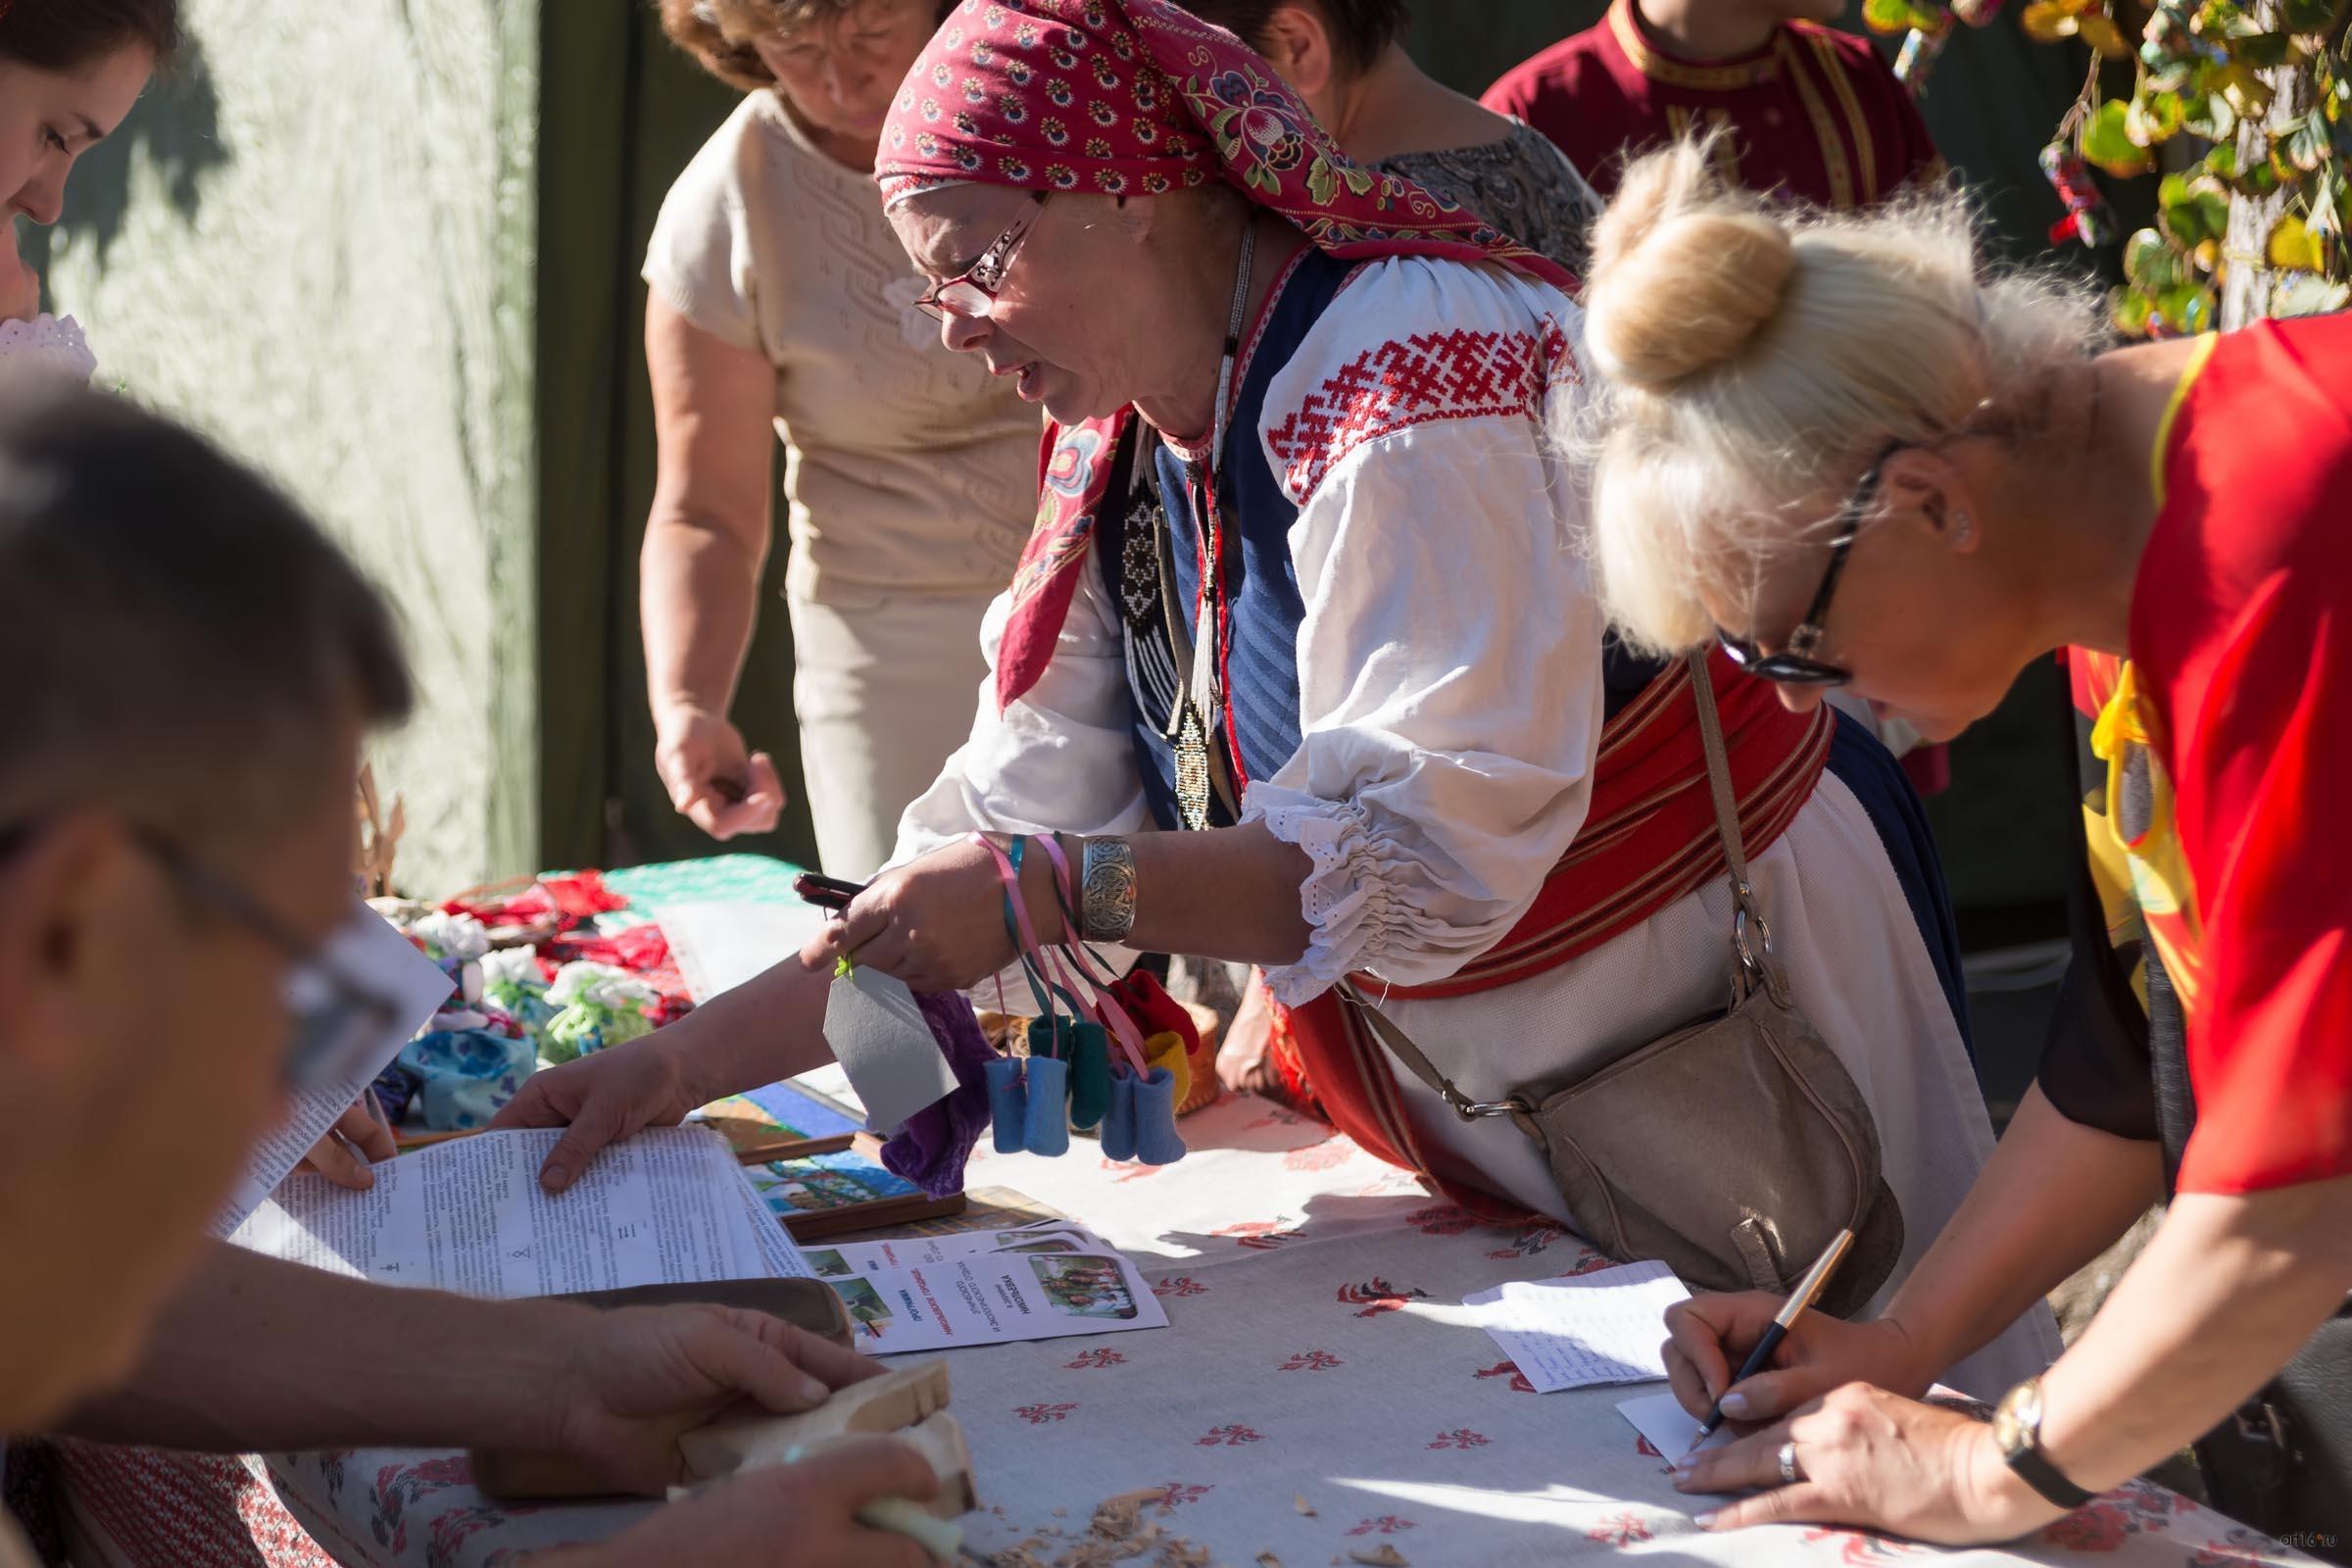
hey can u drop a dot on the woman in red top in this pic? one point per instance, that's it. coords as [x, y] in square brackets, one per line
[1919, 526]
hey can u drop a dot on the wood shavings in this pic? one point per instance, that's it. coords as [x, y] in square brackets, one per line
[1382, 1555]
[1306, 1509]
[1117, 1517]
[1266, 1560]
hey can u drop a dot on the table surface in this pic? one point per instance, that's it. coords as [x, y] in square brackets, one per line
[1317, 1395]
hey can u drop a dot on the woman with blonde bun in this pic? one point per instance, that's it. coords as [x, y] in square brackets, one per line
[1834, 446]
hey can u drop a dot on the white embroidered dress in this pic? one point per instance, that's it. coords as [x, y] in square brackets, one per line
[1450, 710]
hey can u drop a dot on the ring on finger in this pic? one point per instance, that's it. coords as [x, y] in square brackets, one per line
[1789, 1474]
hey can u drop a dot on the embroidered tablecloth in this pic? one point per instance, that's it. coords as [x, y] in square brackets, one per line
[1317, 1360]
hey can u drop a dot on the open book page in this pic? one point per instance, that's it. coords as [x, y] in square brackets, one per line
[370, 950]
[670, 1205]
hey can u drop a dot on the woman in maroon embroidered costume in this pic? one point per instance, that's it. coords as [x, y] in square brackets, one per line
[1303, 635]
[2172, 516]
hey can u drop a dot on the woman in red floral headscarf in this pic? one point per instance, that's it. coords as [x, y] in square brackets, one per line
[1302, 654]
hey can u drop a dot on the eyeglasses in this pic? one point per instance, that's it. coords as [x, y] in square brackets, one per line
[335, 1019]
[1793, 665]
[972, 294]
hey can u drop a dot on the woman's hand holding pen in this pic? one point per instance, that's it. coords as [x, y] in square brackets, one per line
[1862, 1455]
[1707, 1336]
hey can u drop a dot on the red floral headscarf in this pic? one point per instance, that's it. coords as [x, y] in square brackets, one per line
[1138, 97]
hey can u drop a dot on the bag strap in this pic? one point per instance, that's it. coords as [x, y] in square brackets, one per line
[1751, 934]
[1402, 1044]
[1755, 966]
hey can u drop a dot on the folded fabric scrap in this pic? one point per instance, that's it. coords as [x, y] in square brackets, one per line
[598, 1006]
[514, 981]
[458, 943]
[466, 1066]
[933, 1147]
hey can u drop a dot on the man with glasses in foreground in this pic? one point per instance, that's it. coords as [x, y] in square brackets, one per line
[191, 668]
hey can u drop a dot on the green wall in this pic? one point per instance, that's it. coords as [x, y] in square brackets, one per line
[314, 240]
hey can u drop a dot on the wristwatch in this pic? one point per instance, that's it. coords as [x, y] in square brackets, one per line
[2017, 1428]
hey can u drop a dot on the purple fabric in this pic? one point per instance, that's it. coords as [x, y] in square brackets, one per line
[931, 1149]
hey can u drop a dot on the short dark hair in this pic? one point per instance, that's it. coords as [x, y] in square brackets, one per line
[71, 35]
[179, 640]
[1362, 31]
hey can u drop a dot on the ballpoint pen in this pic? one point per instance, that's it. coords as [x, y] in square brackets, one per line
[826, 892]
[1808, 1289]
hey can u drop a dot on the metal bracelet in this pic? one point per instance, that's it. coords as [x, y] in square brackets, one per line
[1106, 890]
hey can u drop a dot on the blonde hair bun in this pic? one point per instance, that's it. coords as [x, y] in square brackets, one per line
[1685, 272]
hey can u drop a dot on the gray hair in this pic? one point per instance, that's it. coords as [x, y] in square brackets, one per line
[179, 641]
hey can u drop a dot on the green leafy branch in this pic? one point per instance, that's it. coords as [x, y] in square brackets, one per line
[2206, 79]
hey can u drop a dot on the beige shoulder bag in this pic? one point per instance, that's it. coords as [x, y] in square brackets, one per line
[1732, 1149]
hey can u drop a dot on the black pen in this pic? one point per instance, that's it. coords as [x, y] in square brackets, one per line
[826, 892]
[1816, 1280]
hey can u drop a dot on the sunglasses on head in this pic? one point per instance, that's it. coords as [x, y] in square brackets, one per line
[1793, 665]
[337, 1020]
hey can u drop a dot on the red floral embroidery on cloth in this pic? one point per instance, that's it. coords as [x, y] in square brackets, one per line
[1311, 1361]
[1326, 1155]
[1377, 1296]
[1181, 1492]
[1421, 379]
[1180, 1286]
[1442, 1219]
[1861, 1550]
[2106, 1523]
[1092, 1361]
[1259, 1234]
[1460, 1437]
[1038, 1415]
[1229, 1436]
[1508, 1369]
[1388, 1524]
[1620, 1530]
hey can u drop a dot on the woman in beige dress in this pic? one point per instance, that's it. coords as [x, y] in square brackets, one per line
[779, 296]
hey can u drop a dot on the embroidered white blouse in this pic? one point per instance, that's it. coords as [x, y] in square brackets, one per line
[1450, 677]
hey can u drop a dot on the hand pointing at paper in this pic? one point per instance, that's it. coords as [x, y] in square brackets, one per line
[768, 1028]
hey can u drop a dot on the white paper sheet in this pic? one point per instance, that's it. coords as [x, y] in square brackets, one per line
[670, 1205]
[1584, 1329]
[718, 947]
[1661, 1418]
[371, 952]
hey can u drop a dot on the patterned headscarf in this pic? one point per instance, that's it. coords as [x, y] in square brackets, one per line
[1140, 98]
